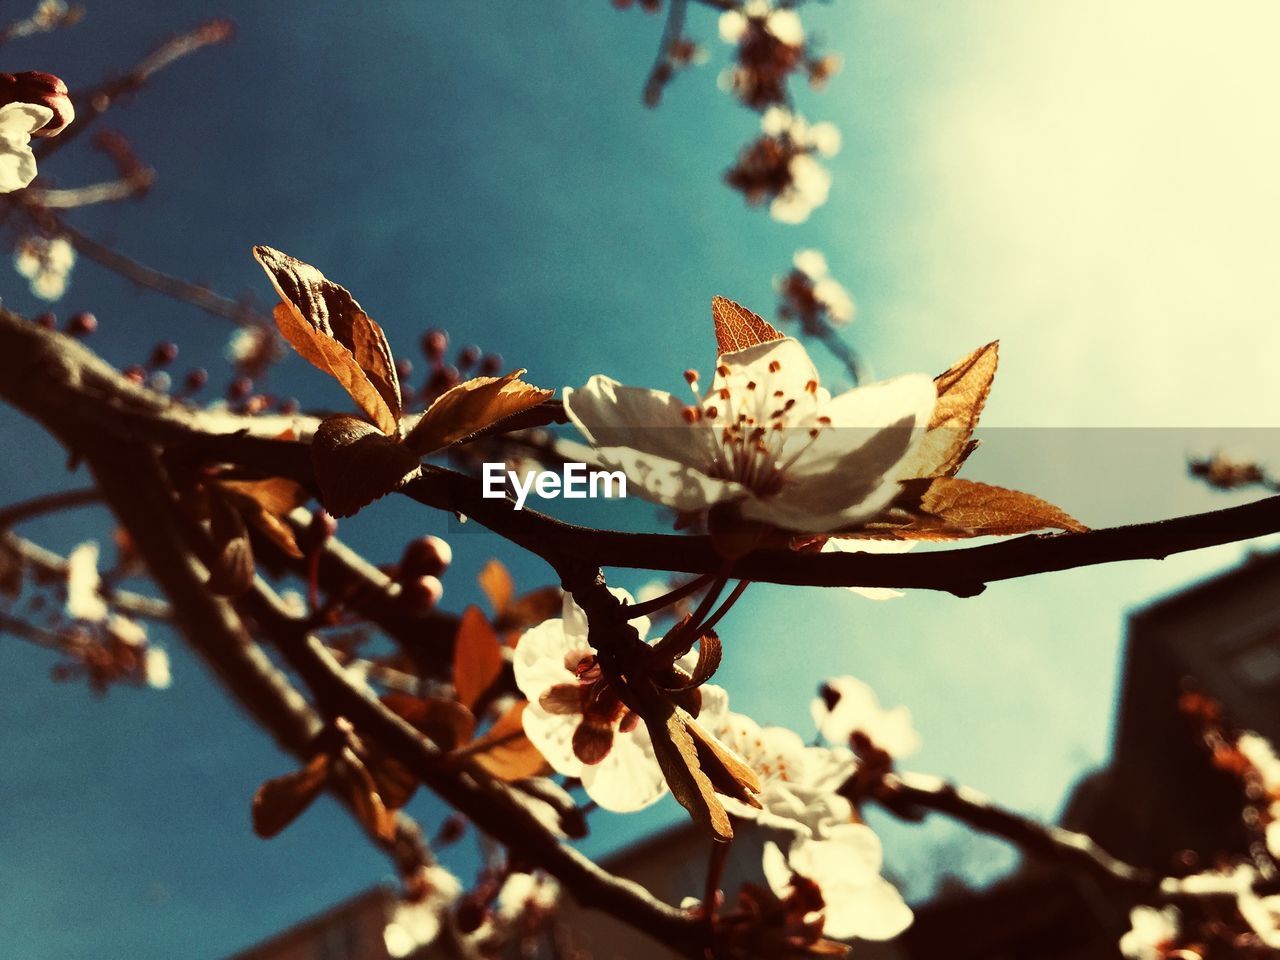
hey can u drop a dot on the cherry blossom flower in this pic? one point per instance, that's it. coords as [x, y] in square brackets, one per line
[526, 892]
[849, 708]
[781, 166]
[845, 865]
[576, 720]
[812, 296]
[1262, 914]
[18, 121]
[1151, 932]
[798, 784]
[770, 47]
[415, 924]
[83, 599]
[766, 437]
[47, 263]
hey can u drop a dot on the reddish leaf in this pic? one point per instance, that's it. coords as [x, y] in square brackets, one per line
[477, 657]
[280, 801]
[470, 407]
[326, 326]
[265, 504]
[495, 580]
[366, 803]
[446, 723]
[738, 328]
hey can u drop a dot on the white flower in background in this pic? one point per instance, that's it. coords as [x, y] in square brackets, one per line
[826, 289]
[576, 720]
[83, 599]
[1150, 931]
[810, 181]
[848, 706]
[845, 865]
[525, 891]
[855, 545]
[1262, 914]
[652, 591]
[414, 925]
[155, 668]
[1259, 752]
[798, 784]
[46, 263]
[784, 25]
[766, 436]
[18, 121]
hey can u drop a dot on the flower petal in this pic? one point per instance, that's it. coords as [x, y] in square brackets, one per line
[539, 658]
[629, 778]
[552, 735]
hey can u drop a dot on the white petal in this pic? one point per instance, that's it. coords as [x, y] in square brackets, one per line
[786, 26]
[776, 872]
[539, 658]
[17, 164]
[629, 777]
[776, 121]
[732, 26]
[812, 263]
[552, 735]
[874, 911]
[790, 207]
[83, 601]
[19, 120]
[649, 421]
[668, 482]
[825, 138]
[852, 545]
[156, 668]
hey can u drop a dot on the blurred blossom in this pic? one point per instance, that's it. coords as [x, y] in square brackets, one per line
[252, 349]
[46, 262]
[848, 707]
[781, 167]
[845, 866]
[155, 668]
[415, 924]
[83, 601]
[523, 892]
[1151, 932]
[812, 297]
[770, 42]
[18, 121]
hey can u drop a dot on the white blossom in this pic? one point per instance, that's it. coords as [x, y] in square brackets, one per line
[526, 891]
[555, 669]
[414, 925]
[18, 121]
[846, 867]
[1150, 929]
[849, 706]
[766, 436]
[47, 263]
[83, 599]
[812, 263]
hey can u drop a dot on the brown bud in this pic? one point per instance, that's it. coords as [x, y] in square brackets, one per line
[40, 88]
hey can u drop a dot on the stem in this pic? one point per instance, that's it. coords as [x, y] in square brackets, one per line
[667, 599]
[738, 591]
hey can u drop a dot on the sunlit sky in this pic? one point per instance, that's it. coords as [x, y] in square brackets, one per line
[1093, 184]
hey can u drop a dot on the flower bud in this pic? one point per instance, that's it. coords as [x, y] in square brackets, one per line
[426, 556]
[41, 88]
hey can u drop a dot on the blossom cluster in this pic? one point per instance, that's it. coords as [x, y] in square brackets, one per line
[770, 46]
[781, 165]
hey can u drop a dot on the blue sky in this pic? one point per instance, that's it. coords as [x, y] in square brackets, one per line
[1093, 187]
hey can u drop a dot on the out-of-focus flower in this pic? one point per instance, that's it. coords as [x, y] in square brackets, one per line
[252, 349]
[766, 437]
[46, 262]
[575, 718]
[523, 893]
[781, 167]
[83, 599]
[42, 90]
[1261, 913]
[414, 924]
[845, 866]
[811, 296]
[847, 707]
[1151, 932]
[770, 47]
[155, 668]
[18, 121]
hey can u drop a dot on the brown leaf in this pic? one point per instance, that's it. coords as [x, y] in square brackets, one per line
[504, 751]
[725, 769]
[678, 756]
[709, 654]
[265, 504]
[470, 407]
[395, 782]
[366, 803]
[326, 326]
[971, 509]
[495, 580]
[231, 566]
[477, 657]
[356, 464]
[962, 393]
[738, 328]
[446, 723]
[280, 801]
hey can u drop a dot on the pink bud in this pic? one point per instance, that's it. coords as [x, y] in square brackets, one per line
[41, 88]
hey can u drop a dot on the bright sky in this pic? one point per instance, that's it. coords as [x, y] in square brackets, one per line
[1093, 185]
